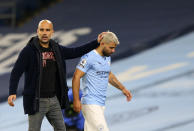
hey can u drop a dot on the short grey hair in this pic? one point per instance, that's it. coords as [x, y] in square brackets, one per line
[109, 37]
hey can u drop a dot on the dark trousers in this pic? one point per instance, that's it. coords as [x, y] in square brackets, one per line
[50, 108]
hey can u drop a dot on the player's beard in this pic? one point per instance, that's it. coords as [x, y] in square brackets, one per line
[44, 42]
[105, 53]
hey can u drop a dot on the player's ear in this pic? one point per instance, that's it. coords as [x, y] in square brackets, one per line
[101, 43]
[52, 32]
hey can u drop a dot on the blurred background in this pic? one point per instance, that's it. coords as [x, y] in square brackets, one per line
[155, 59]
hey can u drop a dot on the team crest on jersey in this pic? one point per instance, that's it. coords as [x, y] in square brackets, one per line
[82, 63]
[108, 62]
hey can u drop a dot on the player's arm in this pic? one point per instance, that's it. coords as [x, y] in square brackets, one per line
[17, 71]
[75, 86]
[115, 82]
[70, 53]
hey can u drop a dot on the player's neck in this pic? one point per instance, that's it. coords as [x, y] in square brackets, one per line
[44, 45]
[99, 50]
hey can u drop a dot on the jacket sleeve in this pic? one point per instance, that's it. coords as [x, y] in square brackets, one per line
[70, 53]
[17, 71]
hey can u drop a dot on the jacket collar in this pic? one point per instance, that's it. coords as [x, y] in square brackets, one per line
[34, 42]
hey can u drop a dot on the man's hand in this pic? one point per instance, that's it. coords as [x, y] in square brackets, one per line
[127, 94]
[11, 98]
[77, 106]
[100, 36]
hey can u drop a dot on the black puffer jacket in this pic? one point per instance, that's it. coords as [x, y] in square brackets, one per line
[29, 62]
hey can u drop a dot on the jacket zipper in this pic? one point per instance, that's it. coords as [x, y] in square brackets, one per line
[57, 57]
[39, 79]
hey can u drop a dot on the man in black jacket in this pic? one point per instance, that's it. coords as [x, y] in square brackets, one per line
[42, 61]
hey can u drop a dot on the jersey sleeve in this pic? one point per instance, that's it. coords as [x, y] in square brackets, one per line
[84, 64]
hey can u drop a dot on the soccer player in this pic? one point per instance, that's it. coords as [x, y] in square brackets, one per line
[94, 67]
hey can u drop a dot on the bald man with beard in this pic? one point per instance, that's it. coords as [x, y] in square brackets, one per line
[42, 61]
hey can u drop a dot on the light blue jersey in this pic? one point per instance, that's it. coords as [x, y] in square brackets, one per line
[95, 80]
